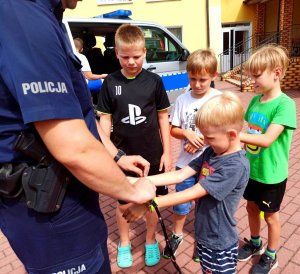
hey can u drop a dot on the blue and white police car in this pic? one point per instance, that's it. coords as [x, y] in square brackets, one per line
[166, 55]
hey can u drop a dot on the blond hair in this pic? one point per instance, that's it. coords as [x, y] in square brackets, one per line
[202, 60]
[223, 111]
[78, 42]
[268, 57]
[128, 35]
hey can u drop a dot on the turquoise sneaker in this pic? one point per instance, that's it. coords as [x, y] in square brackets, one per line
[152, 254]
[124, 258]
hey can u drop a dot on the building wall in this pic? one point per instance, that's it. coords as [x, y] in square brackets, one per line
[188, 14]
[296, 16]
[215, 26]
[236, 11]
[271, 17]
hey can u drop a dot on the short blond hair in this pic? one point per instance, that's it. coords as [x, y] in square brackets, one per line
[128, 35]
[268, 57]
[202, 60]
[223, 111]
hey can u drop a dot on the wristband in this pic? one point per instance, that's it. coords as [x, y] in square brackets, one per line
[153, 205]
[119, 155]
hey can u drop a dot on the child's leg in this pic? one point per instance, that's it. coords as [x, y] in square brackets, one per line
[152, 219]
[180, 213]
[253, 218]
[254, 246]
[178, 223]
[152, 252]
[274, 229]
[124, 257]
[122, 224]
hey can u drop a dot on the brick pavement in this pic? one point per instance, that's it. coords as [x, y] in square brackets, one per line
[289, 252]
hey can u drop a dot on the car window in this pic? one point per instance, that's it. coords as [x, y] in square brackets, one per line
[160, 47]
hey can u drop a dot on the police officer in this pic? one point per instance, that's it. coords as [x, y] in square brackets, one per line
[43, 90]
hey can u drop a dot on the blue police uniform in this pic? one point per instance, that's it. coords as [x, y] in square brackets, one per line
[40, 79]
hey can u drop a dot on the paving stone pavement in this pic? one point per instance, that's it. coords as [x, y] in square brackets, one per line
[288, 253]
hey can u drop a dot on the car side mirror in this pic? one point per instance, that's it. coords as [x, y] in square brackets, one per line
[184, 55]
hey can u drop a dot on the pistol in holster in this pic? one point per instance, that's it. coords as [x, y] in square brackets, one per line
[44, 182]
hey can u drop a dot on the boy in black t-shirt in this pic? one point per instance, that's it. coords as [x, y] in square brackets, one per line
[135, 102]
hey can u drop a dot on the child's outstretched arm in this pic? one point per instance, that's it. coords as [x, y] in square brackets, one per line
[134, 213]
[263, 140]
[166, 158]
[168, 178]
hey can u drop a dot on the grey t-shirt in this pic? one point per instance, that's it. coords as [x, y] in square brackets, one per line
[225, 179]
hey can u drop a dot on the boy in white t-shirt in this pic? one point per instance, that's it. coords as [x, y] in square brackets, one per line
[202, 70]
[94, 81]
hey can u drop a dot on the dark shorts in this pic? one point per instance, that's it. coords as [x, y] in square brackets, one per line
[218, 261]
[72, 240]
[154, 170]
[267, 197]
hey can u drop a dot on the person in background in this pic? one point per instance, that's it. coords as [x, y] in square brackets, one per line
[94, 80]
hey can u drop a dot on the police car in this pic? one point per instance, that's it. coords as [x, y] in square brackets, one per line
[166, 55]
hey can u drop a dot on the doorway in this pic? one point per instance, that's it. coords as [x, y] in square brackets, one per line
[236, 42]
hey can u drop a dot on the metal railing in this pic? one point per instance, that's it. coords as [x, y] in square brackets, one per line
[235, 56]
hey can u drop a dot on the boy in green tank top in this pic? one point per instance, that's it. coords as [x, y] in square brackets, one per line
[271, 118]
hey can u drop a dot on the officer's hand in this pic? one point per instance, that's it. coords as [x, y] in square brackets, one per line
[134, 163]
[145, 191]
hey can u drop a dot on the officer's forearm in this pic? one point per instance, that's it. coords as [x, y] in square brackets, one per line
[70, 142]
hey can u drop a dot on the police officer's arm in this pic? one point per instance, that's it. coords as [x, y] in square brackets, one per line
[134, 163]
[72, 144]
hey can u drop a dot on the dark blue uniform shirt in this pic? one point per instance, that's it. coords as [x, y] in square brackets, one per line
[40, 79]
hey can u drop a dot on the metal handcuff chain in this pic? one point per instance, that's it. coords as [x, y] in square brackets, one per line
[173, 259]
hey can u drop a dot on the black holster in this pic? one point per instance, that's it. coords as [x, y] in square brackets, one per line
[45, 181]
[10, 183]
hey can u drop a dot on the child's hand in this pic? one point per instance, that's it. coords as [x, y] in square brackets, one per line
[196, 140]
[135, 212]
[166, 162]
[189, 148]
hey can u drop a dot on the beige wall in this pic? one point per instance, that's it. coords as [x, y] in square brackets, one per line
[215, 25]
[188, 14]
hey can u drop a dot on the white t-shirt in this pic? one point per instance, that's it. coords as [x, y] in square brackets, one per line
[183, 116]
[84, 62]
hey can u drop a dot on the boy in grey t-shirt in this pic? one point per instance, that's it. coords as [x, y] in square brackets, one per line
[223, 173]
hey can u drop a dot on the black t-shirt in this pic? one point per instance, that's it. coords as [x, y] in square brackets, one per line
[133, 104]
